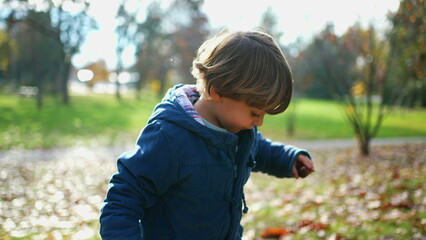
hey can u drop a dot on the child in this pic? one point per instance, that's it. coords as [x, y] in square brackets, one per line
[185, 179]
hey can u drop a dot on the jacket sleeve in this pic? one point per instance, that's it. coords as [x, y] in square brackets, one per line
[275, 158]
[142, 176]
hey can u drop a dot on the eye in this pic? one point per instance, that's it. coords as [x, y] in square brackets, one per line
[255, 114]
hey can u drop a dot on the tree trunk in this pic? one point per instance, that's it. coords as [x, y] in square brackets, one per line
[162, 75]
[40, 95]
[291, 119]
[117, 83]
[423, 97]
[138, 89]
[290, 124]
[363, 144]
[64, 80]
[117, 90]
[37, 78]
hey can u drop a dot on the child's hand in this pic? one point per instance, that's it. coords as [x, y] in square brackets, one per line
[303, 166]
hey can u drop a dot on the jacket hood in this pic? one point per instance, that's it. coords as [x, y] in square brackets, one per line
[177, 108]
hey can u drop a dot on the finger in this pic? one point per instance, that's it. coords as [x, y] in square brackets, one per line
[307, 162]
[295, 173]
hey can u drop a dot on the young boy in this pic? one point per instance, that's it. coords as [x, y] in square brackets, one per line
[185, 179]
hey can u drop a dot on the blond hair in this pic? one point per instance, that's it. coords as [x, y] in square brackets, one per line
[245, 65]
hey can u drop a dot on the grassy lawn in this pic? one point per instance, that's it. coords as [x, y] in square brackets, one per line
[319, 119]
[102, 120]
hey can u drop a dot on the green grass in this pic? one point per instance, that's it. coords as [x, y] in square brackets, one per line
[104, 120]
[319, 119]
[98, 119]
[314, 119]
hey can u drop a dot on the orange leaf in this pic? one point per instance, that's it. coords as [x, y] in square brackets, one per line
[274, 233]
[403, 204]
[385, 206]
[313, 225]
[305, 223]
[319, 226]
[362, 194]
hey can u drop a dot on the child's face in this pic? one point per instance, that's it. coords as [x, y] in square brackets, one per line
[235, 116]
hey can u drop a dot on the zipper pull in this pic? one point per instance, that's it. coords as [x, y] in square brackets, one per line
[245, 209]
[235, 171]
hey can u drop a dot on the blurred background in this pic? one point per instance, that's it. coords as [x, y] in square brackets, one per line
[367, 56]
[79, 79]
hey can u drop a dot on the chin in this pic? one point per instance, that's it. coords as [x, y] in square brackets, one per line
[239, 130]
[233, 130]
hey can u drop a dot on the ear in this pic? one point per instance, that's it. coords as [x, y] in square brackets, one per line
[214, 95]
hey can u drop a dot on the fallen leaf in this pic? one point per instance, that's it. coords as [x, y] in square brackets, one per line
[312, 225]
[274, 233]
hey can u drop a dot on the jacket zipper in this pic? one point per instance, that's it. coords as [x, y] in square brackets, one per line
[238, 185]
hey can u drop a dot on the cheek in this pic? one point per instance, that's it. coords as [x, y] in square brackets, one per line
[233, 120]
[236, 117]
[241, 121]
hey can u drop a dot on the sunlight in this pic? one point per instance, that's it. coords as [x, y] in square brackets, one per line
[85, 75]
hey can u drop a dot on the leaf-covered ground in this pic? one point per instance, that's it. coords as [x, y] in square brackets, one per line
[57, 194]
[348, 197]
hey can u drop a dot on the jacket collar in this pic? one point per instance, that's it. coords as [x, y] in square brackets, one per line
[177, 108]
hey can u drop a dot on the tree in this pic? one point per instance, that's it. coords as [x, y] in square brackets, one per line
[269, 24]
[8, 49]
[313, 78]
[42, 56]
[371, 67]
[127, 35]
[188, 34]
[408, 41]
[34, 63]
[354, 69]
[67, 27]
[150, 48]
[171, 37]
[100, 72]
[70, 31]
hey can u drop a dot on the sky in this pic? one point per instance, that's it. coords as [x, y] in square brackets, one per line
[296, 19]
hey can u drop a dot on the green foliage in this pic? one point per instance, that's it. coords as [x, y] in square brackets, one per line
[269, 24]
[39, 54]
[407, 40]
[7, 48]
[355, 69]
[47, 36]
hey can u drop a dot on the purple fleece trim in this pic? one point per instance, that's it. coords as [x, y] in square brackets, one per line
[186, 96]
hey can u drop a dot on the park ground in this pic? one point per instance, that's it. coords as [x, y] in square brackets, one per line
[55, 164]
[57, 193]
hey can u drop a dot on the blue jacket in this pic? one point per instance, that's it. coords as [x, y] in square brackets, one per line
[185, 181]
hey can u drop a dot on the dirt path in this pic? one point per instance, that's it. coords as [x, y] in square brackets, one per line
[107, 153]
[349, 143]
